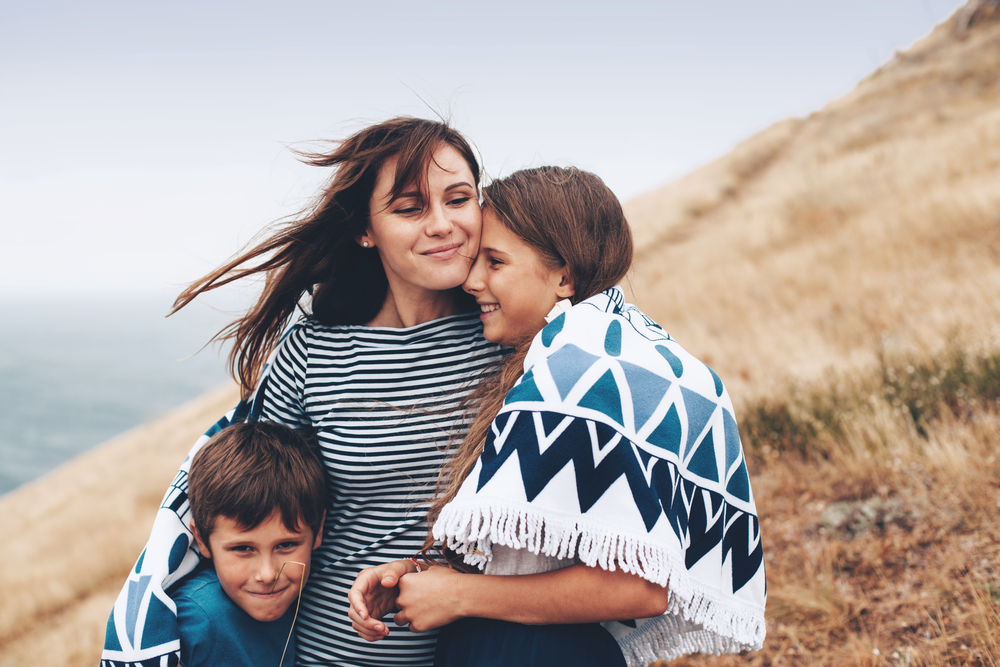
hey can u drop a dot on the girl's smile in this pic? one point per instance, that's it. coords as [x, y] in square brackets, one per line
[513, 285]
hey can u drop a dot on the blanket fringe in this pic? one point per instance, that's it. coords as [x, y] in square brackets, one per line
[731, 625]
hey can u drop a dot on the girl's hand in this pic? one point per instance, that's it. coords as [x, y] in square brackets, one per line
[429, 599]
[373, 596]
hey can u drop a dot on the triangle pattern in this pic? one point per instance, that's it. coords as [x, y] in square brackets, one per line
[604, 434]
[643, 455]
[703, 462]
[525, 390]
[732, 439]
[160, 626]
[552, 329]
[654, 388]
[136, 589]
[567, 366]
[699, 410]
[668, 434]
[551, 420]
[739, 483]
[603, 440]
[603, 396]
[111, 642]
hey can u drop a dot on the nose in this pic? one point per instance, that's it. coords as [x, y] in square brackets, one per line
[437, 223]
[475, 282]
[267, 570]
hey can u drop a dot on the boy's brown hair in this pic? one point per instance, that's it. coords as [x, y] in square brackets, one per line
[250, 470]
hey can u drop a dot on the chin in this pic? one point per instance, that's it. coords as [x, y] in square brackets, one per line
[269, 615]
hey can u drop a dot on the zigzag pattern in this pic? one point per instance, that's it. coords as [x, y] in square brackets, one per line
[701, 519]
[629, 396]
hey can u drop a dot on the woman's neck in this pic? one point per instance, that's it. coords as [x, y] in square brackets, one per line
[400, 311]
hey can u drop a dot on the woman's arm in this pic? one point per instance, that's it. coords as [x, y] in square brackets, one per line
[576, 594]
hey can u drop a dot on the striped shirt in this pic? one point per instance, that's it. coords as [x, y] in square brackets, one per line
[383, 403]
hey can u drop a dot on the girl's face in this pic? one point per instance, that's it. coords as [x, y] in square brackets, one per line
[514, 288]
[426, 244]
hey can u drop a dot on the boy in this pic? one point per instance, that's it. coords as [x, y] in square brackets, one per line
[257, 499]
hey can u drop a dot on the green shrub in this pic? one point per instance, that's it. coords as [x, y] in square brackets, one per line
[811, 421]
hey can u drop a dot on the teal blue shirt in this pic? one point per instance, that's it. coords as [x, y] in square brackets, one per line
[215, 631]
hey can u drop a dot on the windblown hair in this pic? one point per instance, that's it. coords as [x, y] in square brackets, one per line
[250, 470]
[572, 219]
[316, 253]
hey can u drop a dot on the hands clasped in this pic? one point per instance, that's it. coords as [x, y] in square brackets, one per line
[424, 600]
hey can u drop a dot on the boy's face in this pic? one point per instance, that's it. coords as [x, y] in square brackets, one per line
[247, 562]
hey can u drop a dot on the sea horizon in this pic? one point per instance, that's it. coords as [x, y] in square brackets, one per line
[78, 369]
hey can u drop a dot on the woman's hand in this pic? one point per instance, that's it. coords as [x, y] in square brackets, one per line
[430, 599]
[373, 596]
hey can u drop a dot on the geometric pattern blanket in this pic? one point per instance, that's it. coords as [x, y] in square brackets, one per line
[618, 449]
[142, 628]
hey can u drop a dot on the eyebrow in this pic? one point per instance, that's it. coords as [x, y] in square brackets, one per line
[417, 193]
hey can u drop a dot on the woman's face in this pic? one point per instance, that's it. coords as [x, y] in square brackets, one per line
[513, 286]
[426, 244]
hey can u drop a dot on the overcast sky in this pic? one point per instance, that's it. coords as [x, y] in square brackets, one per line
[143, 143]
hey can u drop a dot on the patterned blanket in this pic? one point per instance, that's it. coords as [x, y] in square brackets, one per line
[142, 629]
[618, 449]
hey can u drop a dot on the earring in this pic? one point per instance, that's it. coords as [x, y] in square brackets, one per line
[365, 244]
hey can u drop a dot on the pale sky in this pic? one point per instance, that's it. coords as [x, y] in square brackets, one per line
[143, 143]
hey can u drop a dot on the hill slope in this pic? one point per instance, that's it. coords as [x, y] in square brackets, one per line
[872, 223]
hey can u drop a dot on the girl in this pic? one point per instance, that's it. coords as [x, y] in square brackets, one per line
[388, 348]
[603, 477]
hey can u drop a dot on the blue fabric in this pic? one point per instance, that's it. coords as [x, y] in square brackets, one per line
[215, 631]
[483, 642]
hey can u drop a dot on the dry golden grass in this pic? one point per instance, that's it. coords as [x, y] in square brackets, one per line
[873, 219]
[882, 543]
[71, 537]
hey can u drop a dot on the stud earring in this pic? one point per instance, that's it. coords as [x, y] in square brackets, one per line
[365, 244]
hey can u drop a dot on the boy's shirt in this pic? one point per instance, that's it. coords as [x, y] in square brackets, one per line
[215, 631]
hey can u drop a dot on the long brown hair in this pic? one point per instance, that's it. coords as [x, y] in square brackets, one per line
[571, 218]
[316, 252]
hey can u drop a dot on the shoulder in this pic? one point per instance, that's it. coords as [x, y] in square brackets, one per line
[200, 591]
[607, 341]
[198, 604]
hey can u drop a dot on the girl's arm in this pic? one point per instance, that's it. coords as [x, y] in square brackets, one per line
[439, 595]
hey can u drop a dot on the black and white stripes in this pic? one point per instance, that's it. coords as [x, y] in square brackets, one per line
[383, 403]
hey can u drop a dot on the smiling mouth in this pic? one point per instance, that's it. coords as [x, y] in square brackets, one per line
[445, 251]
[489, 307]
[267, 594]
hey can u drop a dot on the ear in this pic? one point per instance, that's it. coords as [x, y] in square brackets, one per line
[564, 289]
[319, 533]
[202, 544]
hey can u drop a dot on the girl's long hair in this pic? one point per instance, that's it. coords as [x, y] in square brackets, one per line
[571, 218]
[316, 253]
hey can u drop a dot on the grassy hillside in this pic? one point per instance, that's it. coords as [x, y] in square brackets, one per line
[870, 225]
[842, 273]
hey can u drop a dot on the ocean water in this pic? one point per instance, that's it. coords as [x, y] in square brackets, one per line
[77, 371]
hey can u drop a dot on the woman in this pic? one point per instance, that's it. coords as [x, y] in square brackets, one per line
[603, 477]
[377, 369]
